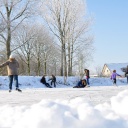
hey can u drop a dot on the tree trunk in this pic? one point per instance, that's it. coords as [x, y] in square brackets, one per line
[61, 68]
[8, 43]
[45, 66]
[38, 66]
[65, 62]
[8, 33]
[71, 59]
[28, 65]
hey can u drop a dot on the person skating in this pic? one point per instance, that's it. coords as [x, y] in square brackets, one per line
[113, 76]
[43, 81]
[53, 80]
[126, 75]
[12, 69]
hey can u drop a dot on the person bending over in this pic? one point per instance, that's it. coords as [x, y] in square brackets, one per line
[43, 81]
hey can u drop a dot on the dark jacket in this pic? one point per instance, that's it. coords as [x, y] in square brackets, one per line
[126, 74]
[53, 79]
[43, 80]
[87, 73]
[81, 84]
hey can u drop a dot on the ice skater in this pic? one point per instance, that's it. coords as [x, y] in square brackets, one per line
[53, 80]
[12, 68]
[113, 77]
[126, 74]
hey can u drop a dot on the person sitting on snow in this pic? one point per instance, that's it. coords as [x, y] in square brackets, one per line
[81, 84]
[43, 81]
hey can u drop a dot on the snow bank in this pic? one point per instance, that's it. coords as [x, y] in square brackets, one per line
[76, 113]
[34, 82]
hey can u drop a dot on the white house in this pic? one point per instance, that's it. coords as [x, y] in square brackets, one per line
[108, 68]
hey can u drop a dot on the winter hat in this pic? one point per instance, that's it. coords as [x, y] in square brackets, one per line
[12, 56]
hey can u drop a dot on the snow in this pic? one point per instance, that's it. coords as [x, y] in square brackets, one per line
[102, 105]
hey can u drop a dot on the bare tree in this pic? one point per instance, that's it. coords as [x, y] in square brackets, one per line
[35, 48]
[98, 70]
[44, 49]
[25, 38]
[65, 19]
[12, 14]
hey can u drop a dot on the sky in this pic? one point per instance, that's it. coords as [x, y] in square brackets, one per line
[99, 106]
[110, 30]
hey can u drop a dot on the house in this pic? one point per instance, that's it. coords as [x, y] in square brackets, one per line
[119, 67]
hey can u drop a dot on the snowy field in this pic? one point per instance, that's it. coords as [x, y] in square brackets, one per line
[101, 105]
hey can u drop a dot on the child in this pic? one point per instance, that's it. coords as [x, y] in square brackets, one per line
[81, 84]
[43, 81]
[53, 80]
[87, 75]
[113, 76]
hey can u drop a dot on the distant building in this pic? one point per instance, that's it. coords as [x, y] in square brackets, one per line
[119, 67]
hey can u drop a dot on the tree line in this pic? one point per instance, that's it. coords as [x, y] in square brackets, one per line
[47, 37]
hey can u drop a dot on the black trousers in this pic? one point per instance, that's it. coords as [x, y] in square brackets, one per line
[114, 81]
[54, 82]
[127, 79]
[47, 85]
